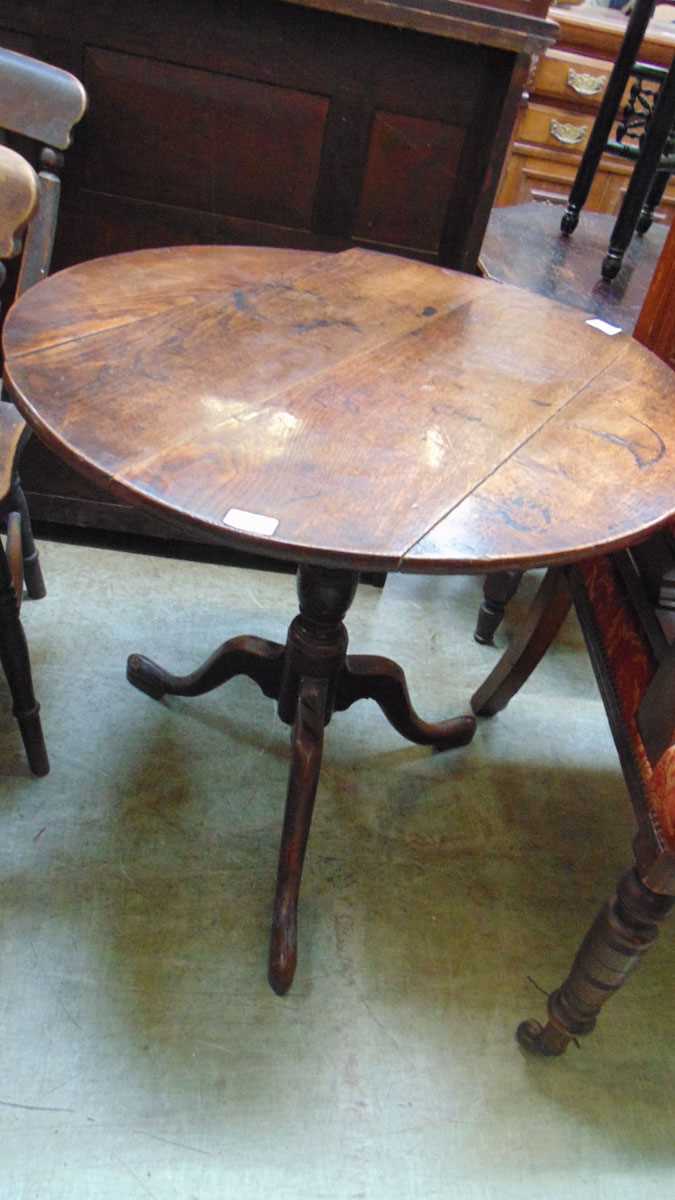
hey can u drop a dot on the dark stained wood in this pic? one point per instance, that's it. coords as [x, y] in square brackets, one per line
[272, 171]
[303, 780]
[498, 589]
[467, 218]
[195, 381]
[656, 326]
[523, 246]
[17, 507]
[627, 926]
[12, 427]
[260, 660]
[424, 155]
[310, 677]
[656, 714]
[358, 405]
[522, 27]
[16, 665]
[273, 123]
[527, 647]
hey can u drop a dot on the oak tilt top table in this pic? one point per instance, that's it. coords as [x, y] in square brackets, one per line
[350, 412]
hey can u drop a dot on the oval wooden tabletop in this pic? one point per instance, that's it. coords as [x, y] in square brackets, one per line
[358, 409]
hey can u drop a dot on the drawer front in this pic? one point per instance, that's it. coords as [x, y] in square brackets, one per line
[556, 128]
[571, 77]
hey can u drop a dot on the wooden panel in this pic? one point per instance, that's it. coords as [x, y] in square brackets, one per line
[423, 157]
[244, 146]
[656, 326]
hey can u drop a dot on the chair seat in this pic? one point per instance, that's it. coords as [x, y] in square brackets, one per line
[12, 426]
[631, 667]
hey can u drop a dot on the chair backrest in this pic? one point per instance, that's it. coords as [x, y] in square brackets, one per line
[42, 103]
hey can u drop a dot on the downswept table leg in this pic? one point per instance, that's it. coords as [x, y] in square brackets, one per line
[306, 750]
[262, 661]
[369, 677]
[309, 677]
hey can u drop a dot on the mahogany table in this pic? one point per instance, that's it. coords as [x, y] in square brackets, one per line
[349, 412]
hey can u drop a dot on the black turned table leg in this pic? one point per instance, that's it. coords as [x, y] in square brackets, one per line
[622, 932]
[310, 677]
[629, 52]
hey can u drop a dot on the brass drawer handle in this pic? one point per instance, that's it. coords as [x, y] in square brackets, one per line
[570, 135]
[585, 85]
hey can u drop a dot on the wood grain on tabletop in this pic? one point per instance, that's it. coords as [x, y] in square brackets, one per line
[523, 246]
[385, 412]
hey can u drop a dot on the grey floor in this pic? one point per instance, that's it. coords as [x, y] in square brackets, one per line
[142, 1052]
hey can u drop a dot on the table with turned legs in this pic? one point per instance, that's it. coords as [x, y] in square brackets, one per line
[348, 412]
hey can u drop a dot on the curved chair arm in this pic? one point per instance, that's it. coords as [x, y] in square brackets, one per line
[39, 101]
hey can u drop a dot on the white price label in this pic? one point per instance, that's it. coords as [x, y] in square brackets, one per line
[604, 327]
[249, 522]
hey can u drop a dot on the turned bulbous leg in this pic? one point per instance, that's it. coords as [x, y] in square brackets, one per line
[498, 589]
[622, 932]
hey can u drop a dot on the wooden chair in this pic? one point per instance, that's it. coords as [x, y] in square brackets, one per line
[40, 103]
[634, 664]
[647, 119]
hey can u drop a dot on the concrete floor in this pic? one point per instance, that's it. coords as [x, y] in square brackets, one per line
[143, 1054]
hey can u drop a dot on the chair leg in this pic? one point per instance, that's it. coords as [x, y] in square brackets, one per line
[16, 664]
[653, 200]
[32, 571]
[498, 589]
[622, 932]
[604, 120]
[643, 178]
[528, 645]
